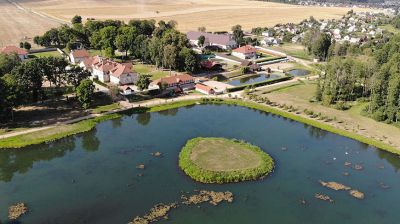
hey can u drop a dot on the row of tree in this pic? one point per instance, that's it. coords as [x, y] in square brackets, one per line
[159, 44]
[23, 84]
[373, 77]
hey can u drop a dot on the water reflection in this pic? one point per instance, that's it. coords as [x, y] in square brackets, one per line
[90, 142]
[21, 161]
[143, 118]
[170, 112]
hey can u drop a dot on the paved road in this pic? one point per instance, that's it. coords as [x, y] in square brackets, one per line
[126, 105]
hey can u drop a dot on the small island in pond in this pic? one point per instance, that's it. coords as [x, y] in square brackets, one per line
[219, 160]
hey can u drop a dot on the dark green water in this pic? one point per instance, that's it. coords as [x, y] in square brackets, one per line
[91, 178]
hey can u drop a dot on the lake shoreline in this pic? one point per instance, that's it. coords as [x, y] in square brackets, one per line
[13, 142]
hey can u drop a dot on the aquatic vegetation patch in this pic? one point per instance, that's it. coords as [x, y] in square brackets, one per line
[17, 210]
[212, 197]
[219, 160]
[338, 186]
[160, 211]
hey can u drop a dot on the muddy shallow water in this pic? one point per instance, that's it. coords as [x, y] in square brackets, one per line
[92, 177]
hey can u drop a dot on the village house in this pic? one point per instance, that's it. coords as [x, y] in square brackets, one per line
[245, 52]
[77, 56]
[204, 89]
[177, 83]
[22, 54]
[107, 70]
[223, 41]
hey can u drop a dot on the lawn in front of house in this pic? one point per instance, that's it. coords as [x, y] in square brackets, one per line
[45, 54]
[295, 50]
[151, 70]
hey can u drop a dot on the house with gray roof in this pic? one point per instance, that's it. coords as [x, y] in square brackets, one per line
[224, 41]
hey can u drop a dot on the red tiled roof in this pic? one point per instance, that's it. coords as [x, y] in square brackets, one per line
[204, 87]
[245, 49]
[80, 53]
[209, 64]
[174, 79]
[13, 49]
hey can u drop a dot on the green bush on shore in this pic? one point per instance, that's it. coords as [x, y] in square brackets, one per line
[208, 176]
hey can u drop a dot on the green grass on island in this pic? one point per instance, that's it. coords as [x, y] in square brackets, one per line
[219, 160]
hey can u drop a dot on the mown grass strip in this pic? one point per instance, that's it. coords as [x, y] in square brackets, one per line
[54, 133]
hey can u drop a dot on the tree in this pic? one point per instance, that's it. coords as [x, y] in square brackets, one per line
[201, 41]
[238, 34]
[143, 82]
[29, 76]
[76, 19]
[189, 60]
[125, 40]
[10, 94]
[85, 93]
[321, 46]
[201, 29]
[21, 44]
[8, 62]
[75, 75]
[169, 56]
[27, 46]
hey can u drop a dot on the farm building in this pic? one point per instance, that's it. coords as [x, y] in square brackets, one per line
[224, 41]
[77, 56]
[245, 52]
[22, 54]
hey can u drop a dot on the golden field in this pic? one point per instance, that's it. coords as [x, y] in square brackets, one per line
[190, 14]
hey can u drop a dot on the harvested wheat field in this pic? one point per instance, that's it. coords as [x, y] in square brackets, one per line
[190, 14]
[17, 24]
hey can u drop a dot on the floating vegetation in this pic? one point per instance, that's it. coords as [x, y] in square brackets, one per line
[358, 167]
[346, 174]
[323, 197]
[383, 185]
[357, 194]
[159, 211]
[156, 154]
[17, 210]
[212, 197]
[334, 185]
[347, 163]
[140, 166]
[338, 186]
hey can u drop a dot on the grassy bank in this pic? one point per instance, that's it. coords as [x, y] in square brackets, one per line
[54, 133]
[219, 160]
[67, 130]
[314, 123]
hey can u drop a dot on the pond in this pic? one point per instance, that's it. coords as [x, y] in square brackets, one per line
[92, 177]
[252, 79]
[298, 72]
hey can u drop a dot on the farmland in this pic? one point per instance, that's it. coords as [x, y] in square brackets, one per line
[33, 17]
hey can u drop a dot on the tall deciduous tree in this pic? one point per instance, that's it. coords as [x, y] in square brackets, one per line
[85, 92]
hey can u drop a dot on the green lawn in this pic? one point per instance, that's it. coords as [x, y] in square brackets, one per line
[53, 133]
[105, 108]
[45, 54]
[218, 154]
[390, 28]
[151, 70]
[295, 50]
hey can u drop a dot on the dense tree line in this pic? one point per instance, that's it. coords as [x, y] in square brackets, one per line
[317, 43]
[160, 44]
[372, 76]
[21, 83]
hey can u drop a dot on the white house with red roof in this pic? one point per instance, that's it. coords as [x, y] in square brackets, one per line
[107, 70]
[77, 56]
[176, 82]
[22, 53]
[204, 89]
[245, 52]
